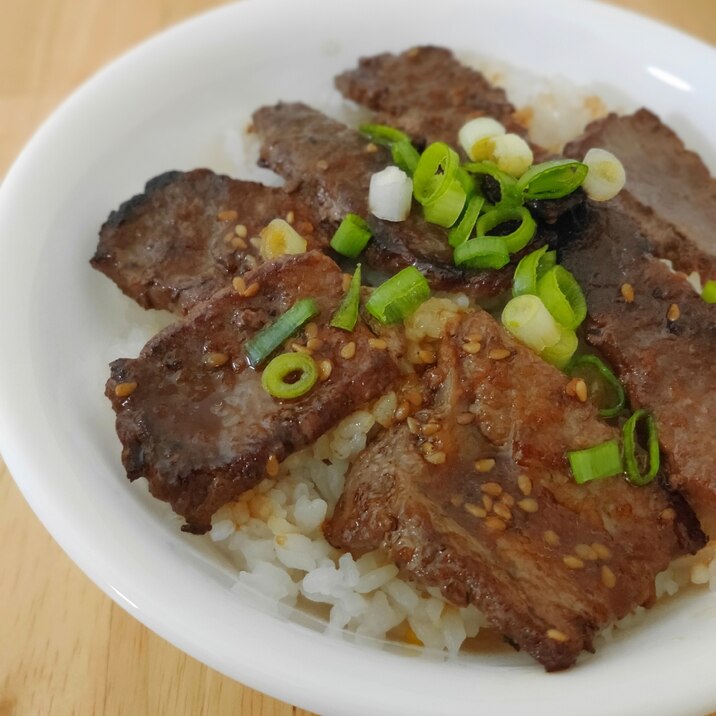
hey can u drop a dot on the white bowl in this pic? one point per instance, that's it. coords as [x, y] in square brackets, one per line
[166, 105]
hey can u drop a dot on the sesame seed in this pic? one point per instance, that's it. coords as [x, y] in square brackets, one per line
[529, 504]
[668, 515]
[348, 350]
[601, 550]
[426, 356]
[608, 577]
[228, 238]
[465, 418]
[402, 411]
[571, 388]
[290, 217]
[430, 429]
[251, 261]
[493, 489]
[488, 502]
[228, 215]
[456, 501]
[584, 551]
[241, 231]
[325, 368]
[436, 458]
[674, 312]
[378, 343]
[251, 290]
[427, 448]
[573, 562]
[503, 511]
[311, 330]
[299, 348]
[472, 348]
[239, 284]
[507, 499]
[498, 354]
[414, 397]
[280, 540]
[272, 466]
[124, 390]
[627, 291]
[413, 425]
[525, 484]
[475, 510]
[304, 228]
[371, 148]
[475, 338]
[313, 344]
[551, 538]
[322, 165]
[255, 241]
[347, 278]
[556, 635]
[580, 390]
[238, 243]
[495, 523]
[215, 360]
[485, 465]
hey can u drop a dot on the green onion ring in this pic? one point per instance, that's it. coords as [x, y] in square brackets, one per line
[606, 373]
[462, 230]
[709, 292]
[399, 296]
[447, 209]
[530, 270]
[346, 315]
[435, 172]
[405, 156]
[552, 180]
[273, 379]
[509, 193]
[629, 433]
[520, 237]
[561, 352]
[563, 296]
[351, 236]
[383, 134]
[593, 463]
[483, 252]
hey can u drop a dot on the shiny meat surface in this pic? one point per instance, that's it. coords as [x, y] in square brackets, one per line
[199, 425]
[666, 177]
[662, 344]
[176, 244]
[330, 165]
[548, 561]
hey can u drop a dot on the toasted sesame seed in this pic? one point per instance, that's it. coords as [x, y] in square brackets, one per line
[347, 278]
[304, 228]
[573, 562]
[426, 356]
[378, 343]
[228, 215]
[485, 465]
[493, 489]
[311, 330]
[414, 397]
[551, 538]
[436, 458]
[402, 411]
[313, 344]
[322, 165]
[488, 502]
[300, 348]
[456, 501]
[430, 429]
[371, 148]
[465, 418]
[272, 466]
[502, 510]
[557, 635]
[571, 388]
[124, 390]
[507, 499]
[241, 231]
[608, 577]
[668, 515]
[238, 243]
[529, 504]
[472, 347]
[290, 217]
[601, 550]
[584, 551]
[627, 291]
[475, 510]
[228, 238]
[674, 312]
[413, 425]
[525, 484]
[495, 523]
[255, 241]
[251, 261]
[580, 390]
[427, 448]
[215, 360]
[475, 338]
[251, 290]
[348, 350]
[325, 368]
[239, 284]
[498, 354]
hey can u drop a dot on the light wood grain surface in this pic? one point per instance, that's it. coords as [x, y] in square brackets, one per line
[65, 648]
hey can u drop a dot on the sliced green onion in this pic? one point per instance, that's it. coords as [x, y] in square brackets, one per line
[485, 252]
[399, 296]
[462, 230]
[351, 236]
[347, 314]
[289, 375]
[561, 352]
[602, 460]
[552, 180]
[630, 458]
[476, 135]
[509, 193]
[709, 292]
[268, 339]
[435, 172]
[530, 270]
[520, 237]
[447, 209]
[562, 295]
[512, 154]
[383, 134]
[527, 319]
[606, 176]
[405, 155]
[609, 378]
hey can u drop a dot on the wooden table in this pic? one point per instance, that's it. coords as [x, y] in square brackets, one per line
[65, 648]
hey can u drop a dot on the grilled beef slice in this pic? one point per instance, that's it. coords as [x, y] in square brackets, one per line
[199, 425]
[426, 92]
[330, 165]
[666, 177]
[661, 345]
[175, 244]
[548, 561]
